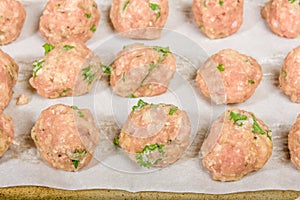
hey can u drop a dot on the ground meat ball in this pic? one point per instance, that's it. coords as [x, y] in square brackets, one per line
[70, 69]
[217, 18]
[142, 71]
[283, 17]
[229, 77]
[289, 78]
[139, 19]
[6, 132]
[155, 135]
[12, 20]
[65, 136]
[294, 143]
[69, 19]
[8, 78]
[238, 143]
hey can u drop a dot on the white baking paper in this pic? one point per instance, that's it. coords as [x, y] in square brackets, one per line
[111, 168]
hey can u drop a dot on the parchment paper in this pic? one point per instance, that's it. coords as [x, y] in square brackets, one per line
[111, 169]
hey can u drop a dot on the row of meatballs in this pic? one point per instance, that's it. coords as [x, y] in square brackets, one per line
[78, 19]
[153, 135]
[157, 135]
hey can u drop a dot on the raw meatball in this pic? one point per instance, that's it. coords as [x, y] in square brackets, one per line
[12, 20]
[289, 78]
[65, 136]
[142, 71]
[229, 77]
[217, 18]
[139, 19]
[6, 132]
[70, 69]
[69, 19]
[283, 17]
[238, 143]
[294, 143]
[8, 78]
[155, 135]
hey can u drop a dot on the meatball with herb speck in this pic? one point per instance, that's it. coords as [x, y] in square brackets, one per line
[8, 78]
[238, 143]
[68, 69]
[139, 19]
[218, 18]
[6, 132]
[289, 77]
[140, 71]
[229, 77]
[155, 135]
[69, 19]
[282, 17]
[12, 19]
[65, 136]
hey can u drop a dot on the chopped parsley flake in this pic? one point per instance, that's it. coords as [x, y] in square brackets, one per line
[292, 1]
[283, 73]
[221, 3]
[116, 141]
[93, 28]
[144, 158]
[125, 5]
[106, 69]
[250, 81]
[155, 8]
[78, 111]
[77, 157]
[68, 47]
[257, 129]
[88, 75]
[88, 15]
[163, 50]
[124, 76]
[139, 105]
[221, 68]
[48, 47]
[131, 95]
[237, 118]
[152, 66]
[172, 110]
[37, 65]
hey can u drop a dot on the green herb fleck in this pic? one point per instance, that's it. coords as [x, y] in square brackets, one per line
[139, 105]
[116, 141]
[172, 110]
[78, 111]
[152, 66]
[106, 69]
[144, 157]
[58, 5]
[292, 1]
[283, 73]
[88, 15]
[221, 68]
[93, 28]
[156, 8]
[68, 47]
[163, 50]
[257, 129]
[131, 95]
[237, 118]
[221, 3]
[48, 47]
[124, 76]
[88, 75]
[37, 65]
[250, 81]
[77, 157]
[75, 163]
[125, 5]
